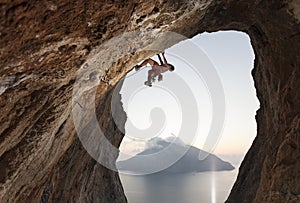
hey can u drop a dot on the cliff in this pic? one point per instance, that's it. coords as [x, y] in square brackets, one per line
[43, 45]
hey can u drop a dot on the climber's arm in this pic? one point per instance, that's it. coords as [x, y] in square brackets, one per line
[161, 62]
[165, 60]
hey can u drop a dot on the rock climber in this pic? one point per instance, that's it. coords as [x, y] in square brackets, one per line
[156, 69]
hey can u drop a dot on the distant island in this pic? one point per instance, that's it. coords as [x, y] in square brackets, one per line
[188, 163]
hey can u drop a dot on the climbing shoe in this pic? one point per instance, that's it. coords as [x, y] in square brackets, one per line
[148, 83]
[137, 67]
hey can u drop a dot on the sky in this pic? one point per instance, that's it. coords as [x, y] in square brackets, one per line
[183, 104]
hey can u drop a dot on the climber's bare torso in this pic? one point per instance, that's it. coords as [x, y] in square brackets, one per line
[156, 69]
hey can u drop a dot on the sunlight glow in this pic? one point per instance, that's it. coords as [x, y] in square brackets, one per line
[213, 188]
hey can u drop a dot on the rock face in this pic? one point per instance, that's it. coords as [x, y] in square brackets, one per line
[44, 43]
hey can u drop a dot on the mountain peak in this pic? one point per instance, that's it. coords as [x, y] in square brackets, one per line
[171, 155]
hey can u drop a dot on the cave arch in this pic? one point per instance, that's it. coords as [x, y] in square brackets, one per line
[275, 76]
[41, 52]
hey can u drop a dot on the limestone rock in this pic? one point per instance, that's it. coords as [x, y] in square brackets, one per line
[44, 43]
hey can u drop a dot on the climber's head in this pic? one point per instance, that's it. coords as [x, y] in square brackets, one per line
[171, 67]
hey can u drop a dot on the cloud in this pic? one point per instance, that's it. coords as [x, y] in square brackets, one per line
[159, 143]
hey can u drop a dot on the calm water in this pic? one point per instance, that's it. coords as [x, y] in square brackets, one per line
[206, 187]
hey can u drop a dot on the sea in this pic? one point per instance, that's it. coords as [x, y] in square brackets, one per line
[203, 187]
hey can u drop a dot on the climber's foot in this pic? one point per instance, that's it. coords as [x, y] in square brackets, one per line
[148, 83]
[137, 67]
